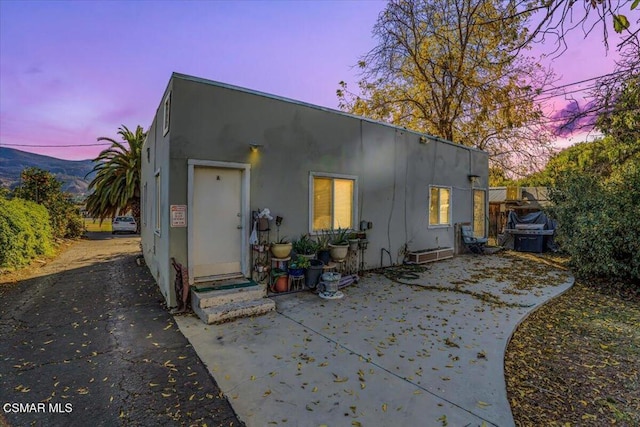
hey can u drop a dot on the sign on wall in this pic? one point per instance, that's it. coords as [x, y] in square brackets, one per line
[178, 215]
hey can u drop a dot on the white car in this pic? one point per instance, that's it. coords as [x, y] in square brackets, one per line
[124, 223]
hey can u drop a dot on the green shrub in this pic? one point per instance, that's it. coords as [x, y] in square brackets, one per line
[25, 232]
[75, 225]
[599, 223]
[42, 187]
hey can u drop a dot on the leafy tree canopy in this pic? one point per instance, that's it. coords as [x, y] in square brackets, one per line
[116, 186]
[436, 70]
[42, 187]
[605, 157]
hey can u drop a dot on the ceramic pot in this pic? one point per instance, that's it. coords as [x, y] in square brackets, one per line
[281, 250]
[338, 252]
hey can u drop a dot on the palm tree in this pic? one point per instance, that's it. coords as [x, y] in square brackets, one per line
[116, 186]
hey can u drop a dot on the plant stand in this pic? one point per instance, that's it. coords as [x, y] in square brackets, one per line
[260, 257]
[296, 283]
[277, 264]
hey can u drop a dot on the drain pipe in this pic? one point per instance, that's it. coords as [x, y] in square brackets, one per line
[382, 251]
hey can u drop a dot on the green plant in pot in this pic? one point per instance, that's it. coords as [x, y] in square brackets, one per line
[281, 248]
[297, 267]
[324, 254]
[280, 281]
[339, 244]
[305, 246]
[353, 241]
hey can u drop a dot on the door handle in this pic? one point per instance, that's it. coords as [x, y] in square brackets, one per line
[239, 227]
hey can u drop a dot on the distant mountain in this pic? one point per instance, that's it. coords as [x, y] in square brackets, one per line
[70, 172]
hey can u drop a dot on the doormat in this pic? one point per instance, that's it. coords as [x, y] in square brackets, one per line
[224, 287]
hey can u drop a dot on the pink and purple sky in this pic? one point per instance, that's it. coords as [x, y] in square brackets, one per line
[72, 71]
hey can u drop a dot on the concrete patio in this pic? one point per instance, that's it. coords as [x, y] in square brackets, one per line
[404, 347]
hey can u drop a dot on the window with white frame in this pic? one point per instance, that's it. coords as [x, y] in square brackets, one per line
[333, 201]
[439, 205]
[166, 115]
[158, 194]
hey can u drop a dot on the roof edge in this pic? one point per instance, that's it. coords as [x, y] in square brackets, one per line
[316, 107]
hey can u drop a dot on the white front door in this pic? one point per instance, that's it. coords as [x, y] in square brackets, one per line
[217, 222]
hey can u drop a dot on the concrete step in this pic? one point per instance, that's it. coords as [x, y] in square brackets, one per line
[234, 310]
[220, 297]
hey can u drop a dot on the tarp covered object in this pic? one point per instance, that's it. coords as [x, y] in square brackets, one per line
[507, 240]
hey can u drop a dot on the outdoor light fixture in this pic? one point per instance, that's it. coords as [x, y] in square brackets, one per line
[279, 221]
[254, 147]
[473, 178]
[423, 140]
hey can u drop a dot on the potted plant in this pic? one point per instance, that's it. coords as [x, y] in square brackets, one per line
[280, 280]
[281, 248]
[353, 241]
[324, 254]
[339, 244]
[297, 267]
[305, 246]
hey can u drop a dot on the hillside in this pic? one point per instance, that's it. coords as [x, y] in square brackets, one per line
[70, 172]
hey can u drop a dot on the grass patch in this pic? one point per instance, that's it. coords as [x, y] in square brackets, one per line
[91, 224]
[576, 361]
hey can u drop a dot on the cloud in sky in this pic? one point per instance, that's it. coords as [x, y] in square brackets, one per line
[573, 118]
[73, 71]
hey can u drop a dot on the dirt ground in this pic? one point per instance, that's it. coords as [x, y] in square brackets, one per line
[576, 361]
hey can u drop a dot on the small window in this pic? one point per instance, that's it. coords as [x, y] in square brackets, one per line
[439, 206]
[333, 201]
[166, 114]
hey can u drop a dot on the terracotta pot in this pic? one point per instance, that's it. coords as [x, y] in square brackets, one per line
[281, 284]
[281, 250]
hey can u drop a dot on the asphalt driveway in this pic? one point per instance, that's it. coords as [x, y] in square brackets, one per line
[85, 340]
[405, 347]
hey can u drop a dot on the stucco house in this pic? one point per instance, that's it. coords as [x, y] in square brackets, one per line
[216, 153]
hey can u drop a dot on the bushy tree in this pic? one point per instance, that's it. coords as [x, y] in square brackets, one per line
[597, 192]
[599, 223]
[435, 69]
[116, 186]
[42, 187]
